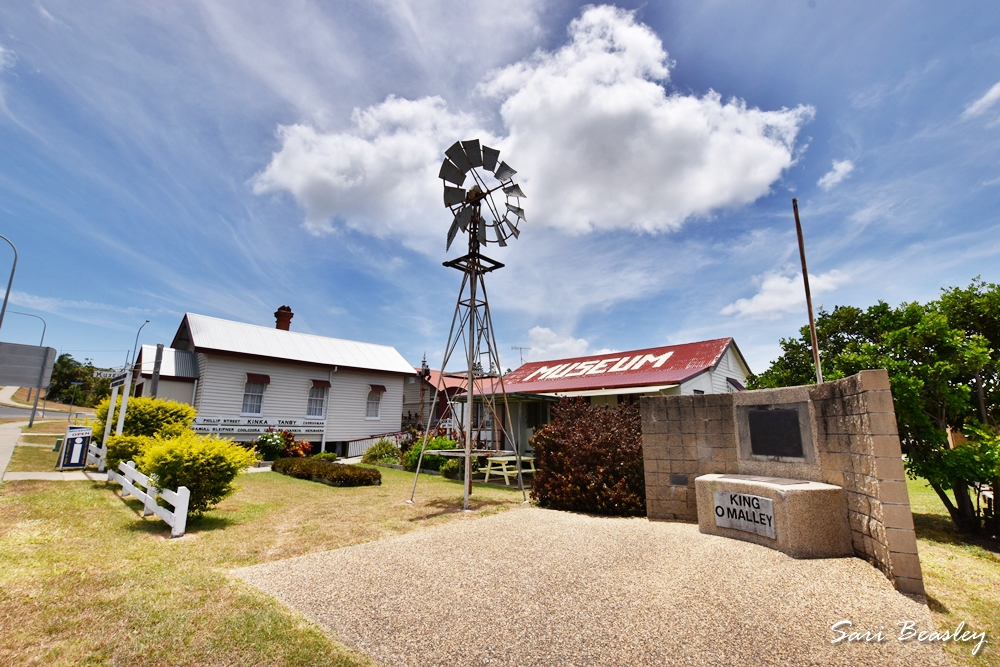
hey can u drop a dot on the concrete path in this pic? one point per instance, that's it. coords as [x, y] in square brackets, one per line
[532, 587]
[9, 434]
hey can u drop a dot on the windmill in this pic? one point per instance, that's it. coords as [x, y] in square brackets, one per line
[477, 213]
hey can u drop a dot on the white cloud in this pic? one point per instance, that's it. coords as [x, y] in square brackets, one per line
[547, 344]
[600, 143]
[984, 103]
[780, 293]
[841, 170]
[7, 58]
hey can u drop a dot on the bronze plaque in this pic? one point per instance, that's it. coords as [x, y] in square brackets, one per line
[775, 433]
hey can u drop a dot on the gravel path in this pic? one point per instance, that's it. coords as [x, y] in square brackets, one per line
[537, 587]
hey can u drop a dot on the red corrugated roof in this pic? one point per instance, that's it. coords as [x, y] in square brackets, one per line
[653, 366]
[450, 383]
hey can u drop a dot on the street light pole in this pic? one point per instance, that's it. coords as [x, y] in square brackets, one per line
[9, 282]
[76, 385]
[127, 389]
[41, 373]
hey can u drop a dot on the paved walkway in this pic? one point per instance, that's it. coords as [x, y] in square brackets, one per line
[533, 587]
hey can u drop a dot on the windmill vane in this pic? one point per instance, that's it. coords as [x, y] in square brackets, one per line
[490, 176]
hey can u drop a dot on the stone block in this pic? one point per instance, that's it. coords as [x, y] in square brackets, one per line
[834, 477]
[858, 543]
[893, 492]
[879, 401]
[700, 409]
[673, 427]
[883, 423]
[857, 502]
[874, 380]
[889, 468]
[703, 453]
[859, 522]
[910, 586]
[901, 540]
[839, 462]
[707, 467]
[689, 440]
[886, 446]
[877, 530]
[860, 444]
[897, 516]
[810, 520]
[715, 412]
[905, 565]
[701, 427]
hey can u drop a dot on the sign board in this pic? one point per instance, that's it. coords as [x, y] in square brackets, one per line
[75, 446]
[118, 380]
[256, 425]
[775, 432]
[106, 375]
[741, 511]
[21, 365]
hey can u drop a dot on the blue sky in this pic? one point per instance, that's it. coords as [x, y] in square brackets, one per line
[228, 158]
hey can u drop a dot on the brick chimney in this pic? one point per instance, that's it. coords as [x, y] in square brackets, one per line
[283, 318]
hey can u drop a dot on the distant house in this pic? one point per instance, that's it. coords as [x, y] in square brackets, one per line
[244, 378]
[706, 367]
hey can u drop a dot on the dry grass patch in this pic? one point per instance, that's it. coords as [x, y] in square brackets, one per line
[85, 581]
[32, 459]
[21, 396]
[49, 440]
[50, 426]
[961, 575]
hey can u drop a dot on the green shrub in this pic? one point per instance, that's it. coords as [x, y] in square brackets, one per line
[206, 465]
[334, 474]
[382, 451]
[431, 461]
[270, 445]
[146, 416]
[125, 448]
[325, 456]
[589, 459]
[452, 469]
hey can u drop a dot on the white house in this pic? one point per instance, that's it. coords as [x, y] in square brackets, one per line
[244, 378]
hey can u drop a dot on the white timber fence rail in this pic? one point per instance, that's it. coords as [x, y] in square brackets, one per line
[129, 478]
[97, 455]
[361, 445]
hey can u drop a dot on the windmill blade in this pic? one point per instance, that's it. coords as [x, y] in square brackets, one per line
[464, 217]
[451, 173]
[452, 233]
[514, 231]
[514, 191]
[504, 172]
[473, 153]
[457, 155]
[490, 157]
[519, 212]
[501, 239]
[453, 196]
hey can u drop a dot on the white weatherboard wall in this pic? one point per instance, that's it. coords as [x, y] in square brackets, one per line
[220, 394]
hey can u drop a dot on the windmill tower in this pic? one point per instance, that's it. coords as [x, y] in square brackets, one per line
[485, 430]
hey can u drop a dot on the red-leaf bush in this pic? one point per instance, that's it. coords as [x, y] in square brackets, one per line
[589, 459]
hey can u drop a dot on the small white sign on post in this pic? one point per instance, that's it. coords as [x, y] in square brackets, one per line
[741, 511]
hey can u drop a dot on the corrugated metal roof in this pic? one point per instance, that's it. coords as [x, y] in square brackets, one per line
[450, 383]
[175, 363]
[672, 364]
[212, 333]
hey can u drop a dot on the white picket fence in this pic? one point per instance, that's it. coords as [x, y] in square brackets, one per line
[131, 479]
[97, 455]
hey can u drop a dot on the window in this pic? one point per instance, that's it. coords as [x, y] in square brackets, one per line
[253, 398]
[372, 409]
[317, 402]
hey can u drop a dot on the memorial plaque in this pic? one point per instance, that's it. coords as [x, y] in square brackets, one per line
[741, 511]
[775, 433]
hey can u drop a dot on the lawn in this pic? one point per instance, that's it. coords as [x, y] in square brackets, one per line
[21, 396]
[49, 440]
[85, 581]
[32, 459]
[961, 575]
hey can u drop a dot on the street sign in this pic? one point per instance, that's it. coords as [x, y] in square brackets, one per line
[118, 380]
[104, 375]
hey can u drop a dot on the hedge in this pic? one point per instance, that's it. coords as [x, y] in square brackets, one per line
[589, 459]
[146, 416]
[431, 461]
[327, 472]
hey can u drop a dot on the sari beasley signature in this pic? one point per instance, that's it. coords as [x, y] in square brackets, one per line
[908, 631]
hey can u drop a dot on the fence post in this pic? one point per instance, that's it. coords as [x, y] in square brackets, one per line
[150, 500]
[180, 512]
[130, 464]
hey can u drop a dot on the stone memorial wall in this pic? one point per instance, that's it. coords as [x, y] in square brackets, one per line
[846, 435]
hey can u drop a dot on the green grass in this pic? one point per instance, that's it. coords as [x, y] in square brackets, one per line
[84, 580]
[32, 459]
[961, 575]
[49, 440]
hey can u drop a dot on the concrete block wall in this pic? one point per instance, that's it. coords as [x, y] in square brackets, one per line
[856, 447]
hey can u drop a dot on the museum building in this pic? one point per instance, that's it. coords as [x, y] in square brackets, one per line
[244, 378]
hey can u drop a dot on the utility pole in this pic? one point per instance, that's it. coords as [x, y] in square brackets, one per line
[805, 281]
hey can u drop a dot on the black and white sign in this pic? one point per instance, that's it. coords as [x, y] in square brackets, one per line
[257, 425]
[742, 511]
[74, 449]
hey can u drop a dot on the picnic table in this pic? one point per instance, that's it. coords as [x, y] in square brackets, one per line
[507, 466]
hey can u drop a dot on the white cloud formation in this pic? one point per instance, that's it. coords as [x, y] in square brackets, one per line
[984, 103]
[7, 58]
[600, 143]
[547, 344]
[780, 293]
[841, 170]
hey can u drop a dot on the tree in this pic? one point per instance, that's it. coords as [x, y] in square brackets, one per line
[67, 370]
[933, 354]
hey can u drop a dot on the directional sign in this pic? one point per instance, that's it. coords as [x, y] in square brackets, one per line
[118, 380]
[104, 375]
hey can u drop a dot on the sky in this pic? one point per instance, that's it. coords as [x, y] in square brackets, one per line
[228, 158]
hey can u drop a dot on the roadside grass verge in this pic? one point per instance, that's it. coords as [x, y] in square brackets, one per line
[84, 580]
[961, 575]
[32, 459]
[49, 440]
[21, 396]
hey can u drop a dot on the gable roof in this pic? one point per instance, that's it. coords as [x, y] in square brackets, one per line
[175, 363]
[672, 364]
[450, 382]
[201, 333]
